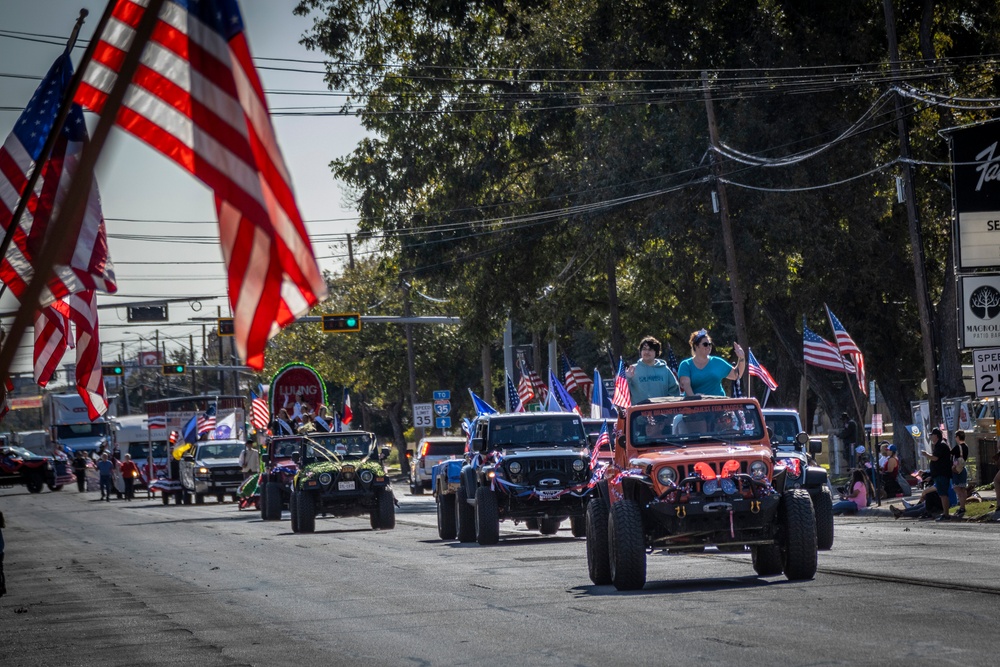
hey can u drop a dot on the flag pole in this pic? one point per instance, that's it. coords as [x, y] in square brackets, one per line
[57, 127]
[857, 407]
[64, 229]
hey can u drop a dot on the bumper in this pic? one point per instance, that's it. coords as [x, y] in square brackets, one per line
[211, 487]
[535, 507]
[731, 519]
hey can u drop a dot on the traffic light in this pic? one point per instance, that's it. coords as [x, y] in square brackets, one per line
[174, 369]
[341, 322]
[225, 326]
[113, 369]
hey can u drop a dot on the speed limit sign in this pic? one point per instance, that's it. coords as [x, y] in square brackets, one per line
[423, 415]
[986, 363]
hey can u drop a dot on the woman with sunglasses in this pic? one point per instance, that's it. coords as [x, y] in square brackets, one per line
[703, 373]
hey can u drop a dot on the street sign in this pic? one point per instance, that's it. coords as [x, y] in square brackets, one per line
[151, 312]
[877, 424]
[986, 366]
[423, 415]
[442, 422]
[442, 408]
[442, 395]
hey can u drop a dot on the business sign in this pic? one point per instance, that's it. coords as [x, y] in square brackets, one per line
[423, 415]
[976, 173]
[986, 366]
[149, 358]
[979, 311]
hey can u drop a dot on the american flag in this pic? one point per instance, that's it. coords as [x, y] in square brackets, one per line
[758, 371]
[51, 340]
[89, 378]
[603, 440]
[575, 376]
[524, 392]
[515, 401]
[538, 388]
[819, 352]
[206, 422]
[89, 266]
[197, 99]
[850, 348]
[623, 395]
[260, 416]
[672, 359]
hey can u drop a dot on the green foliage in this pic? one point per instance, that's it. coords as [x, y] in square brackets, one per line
[313, 470]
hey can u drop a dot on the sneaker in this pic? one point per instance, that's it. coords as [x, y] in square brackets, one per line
[943, 517]
[925, 515]
[960, 512]
[896, 512]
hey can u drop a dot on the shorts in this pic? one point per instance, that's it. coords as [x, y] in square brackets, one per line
[960, 480]
[942, 483]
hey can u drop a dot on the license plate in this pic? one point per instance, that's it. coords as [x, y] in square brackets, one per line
[548, 495]
[345, 486]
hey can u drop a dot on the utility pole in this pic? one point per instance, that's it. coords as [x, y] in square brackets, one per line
[508, 359]
[916, 238]
[218, 338]
[486, 359]
[163, 360]
[194, 385]
[350, 252]
[410, 363]
[727, 230]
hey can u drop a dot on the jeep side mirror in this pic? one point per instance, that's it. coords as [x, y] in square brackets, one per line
[478, 444]
[802, 438]
[296, 457]
[815, 446]
[618, 442]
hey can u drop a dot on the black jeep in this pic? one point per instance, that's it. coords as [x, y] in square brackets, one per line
[275, 484]
[341, 474]
[531, 467]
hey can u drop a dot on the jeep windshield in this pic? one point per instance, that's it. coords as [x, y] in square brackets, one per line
[537, 432]
[680, 425]
[785, 428]
[220, 450]
[333, 446]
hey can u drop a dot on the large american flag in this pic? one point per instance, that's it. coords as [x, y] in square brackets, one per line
[538, 389]
[623, 395]
[89, 267]
[850, 348]
[260, 416]
[603, 440]
[515, 400]
[89, 378]
[758, 371]
[575, 377]
[52, 337]
[196, 97]
[817, 351]
[206, 422]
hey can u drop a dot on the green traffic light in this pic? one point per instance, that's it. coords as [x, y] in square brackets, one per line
[352, 322]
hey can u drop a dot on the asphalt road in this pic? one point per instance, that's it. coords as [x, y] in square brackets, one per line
[93, 583]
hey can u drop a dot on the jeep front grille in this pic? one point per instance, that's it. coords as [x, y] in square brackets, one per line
[688, 471]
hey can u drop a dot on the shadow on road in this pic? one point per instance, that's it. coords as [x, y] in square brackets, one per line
[681, 586]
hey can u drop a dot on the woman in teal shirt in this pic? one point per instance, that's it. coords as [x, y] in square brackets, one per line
[703, 373]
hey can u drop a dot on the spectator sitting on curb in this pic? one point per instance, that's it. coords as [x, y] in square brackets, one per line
[928, 505]
[856, 498]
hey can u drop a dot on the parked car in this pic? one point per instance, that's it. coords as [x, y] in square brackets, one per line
[431, 451]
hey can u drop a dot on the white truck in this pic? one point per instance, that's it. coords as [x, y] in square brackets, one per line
[69, 426]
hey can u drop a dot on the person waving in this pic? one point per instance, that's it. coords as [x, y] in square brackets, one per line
[703, 372]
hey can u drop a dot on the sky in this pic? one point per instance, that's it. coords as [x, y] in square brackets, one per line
[146, 195]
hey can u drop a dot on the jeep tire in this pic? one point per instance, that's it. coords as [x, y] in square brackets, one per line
[307, 512]
[465, 517]
[383, 515]
[272, 502]
[798, 535]
[416, 488]
[578, 526]
[626, 546]
[531, 524]
[487, 516]
[35, 484]
[446, 516]
[823, 508]
[166, 497]
[549, 526]
[598, 563]
[766, 559]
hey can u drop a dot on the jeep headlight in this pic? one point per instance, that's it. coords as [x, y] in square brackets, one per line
[366, 476]
[666, 476]
[758, 470]
[579, 465]
[325, 478]
[514, 467]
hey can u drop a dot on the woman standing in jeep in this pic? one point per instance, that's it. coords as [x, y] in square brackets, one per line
[703, 373]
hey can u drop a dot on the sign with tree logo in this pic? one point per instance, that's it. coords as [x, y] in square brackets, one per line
[980, 310]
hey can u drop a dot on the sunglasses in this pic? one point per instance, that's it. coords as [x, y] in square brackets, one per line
[707, 344]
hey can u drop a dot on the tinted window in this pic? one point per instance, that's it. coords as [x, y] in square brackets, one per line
[784, 427]
[726, 421]
[329, 447]
[227, 450]
[537, 432]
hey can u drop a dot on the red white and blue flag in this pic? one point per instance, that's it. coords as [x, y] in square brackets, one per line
[159, 421]
[260, 416]
[206, 422]
[348, 413]
[574, 376]
[817, 351]
[623, 395]
[197, 98]
[538, 389]
[515, 400]
[847, 346]
[603, 440]
[89, 267]
[758, 371]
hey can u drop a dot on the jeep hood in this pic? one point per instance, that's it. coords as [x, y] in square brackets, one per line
[688, 455]
[548, 452]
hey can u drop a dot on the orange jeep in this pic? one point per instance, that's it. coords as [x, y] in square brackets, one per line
[693, 472]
